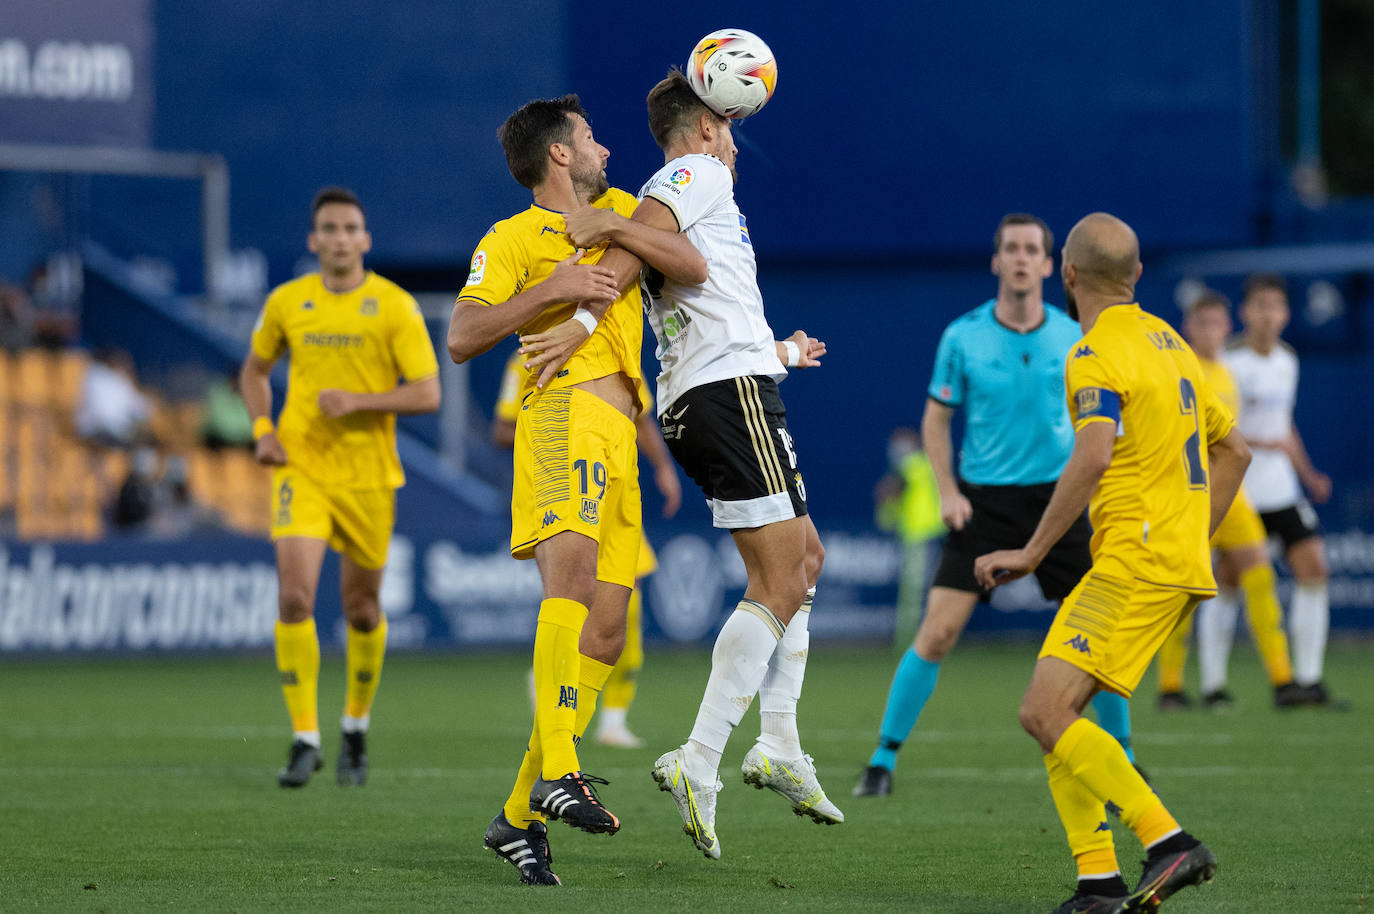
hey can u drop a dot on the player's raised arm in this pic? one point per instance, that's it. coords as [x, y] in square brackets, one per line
[475, 326]
[651, 235]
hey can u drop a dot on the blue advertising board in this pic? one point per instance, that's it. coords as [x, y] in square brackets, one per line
[74, 72]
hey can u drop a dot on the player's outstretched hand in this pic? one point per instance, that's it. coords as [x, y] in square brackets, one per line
[1002, 566]
[269, 452]
[955, 511]
[335, 403]
[590, 225]
[571, 281]
[811, 349]
[549, 351]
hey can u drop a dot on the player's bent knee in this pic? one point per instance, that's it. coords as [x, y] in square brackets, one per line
[295, 604]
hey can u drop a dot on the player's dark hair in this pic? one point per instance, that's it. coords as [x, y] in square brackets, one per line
[1024, 219]
[1210, 298]
[328, 195]
[528, 133]
[674, 108]
[1258, 282]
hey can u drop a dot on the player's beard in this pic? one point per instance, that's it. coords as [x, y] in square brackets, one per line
[590, 184]
[1070, 303]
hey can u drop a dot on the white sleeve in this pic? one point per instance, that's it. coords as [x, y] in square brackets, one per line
[690, 187]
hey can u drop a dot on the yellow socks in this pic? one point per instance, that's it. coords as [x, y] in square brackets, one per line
[517, 806]
[1085, 822]
[298, 660]
[365, 653]
[557, 667]
[592, 679]
[1172, 655]
[620, 687]
[1266, 622]
[1099, 763]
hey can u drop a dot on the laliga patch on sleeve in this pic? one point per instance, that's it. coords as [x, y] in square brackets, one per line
[1093, 402]
[479, 268]
[676, 182]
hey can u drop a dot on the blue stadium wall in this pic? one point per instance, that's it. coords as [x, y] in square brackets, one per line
[872, 183]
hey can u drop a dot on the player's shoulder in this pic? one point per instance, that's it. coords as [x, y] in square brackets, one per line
[303, 286]
[390, 293]
[974, 319]
[687, 172]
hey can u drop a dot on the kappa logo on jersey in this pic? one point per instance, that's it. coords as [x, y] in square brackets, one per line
[479, 268]
[550, 518]
[1080, 644]
[591, 511]
[308, 306]
[567, 697]
[1083, 352]
[369, 308]
[549, 230]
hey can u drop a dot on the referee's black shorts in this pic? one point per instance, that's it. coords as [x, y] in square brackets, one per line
[1004, 517]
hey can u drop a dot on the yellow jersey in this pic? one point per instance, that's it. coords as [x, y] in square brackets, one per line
[364, 340]
[521, 252]
[1223, 384]
[1152, 508]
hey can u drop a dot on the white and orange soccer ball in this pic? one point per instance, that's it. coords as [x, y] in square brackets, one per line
[733, 72]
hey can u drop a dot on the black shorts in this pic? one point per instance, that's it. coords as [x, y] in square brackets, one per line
[1292, 524]
[731, 437]
[1004, 517]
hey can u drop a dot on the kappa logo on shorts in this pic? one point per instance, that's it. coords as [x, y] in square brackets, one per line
[1104, 825]
[1080, 644]
[591, 511]
[550, 519]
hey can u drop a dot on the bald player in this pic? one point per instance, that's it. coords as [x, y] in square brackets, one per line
[1157, 460]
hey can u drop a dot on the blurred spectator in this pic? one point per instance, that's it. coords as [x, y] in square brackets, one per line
[134, 503]
[55, 287]
[908, 503]
[226, 423]
[112, 410]
[175, 514]
[16, 317]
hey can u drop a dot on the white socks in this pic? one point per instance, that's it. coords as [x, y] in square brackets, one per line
[1309, 617]
[1216, 629]
[739, 662]
[782, 688]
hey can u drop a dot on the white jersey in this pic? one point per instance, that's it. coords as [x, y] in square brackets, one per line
[1268, 388]
[716, 330]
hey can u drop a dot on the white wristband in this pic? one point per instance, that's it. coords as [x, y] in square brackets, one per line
[586, 319]
[793, 353]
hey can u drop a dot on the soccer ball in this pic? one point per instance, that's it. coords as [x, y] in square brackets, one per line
[733, 72]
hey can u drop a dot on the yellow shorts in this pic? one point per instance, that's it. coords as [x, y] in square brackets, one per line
[354, 522]
[647, 563]
[1240, 527]
[577, 468]
[1111, 627]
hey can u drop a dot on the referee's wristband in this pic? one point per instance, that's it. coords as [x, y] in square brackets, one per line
[793, 353]
[586, 319]
[262, 426]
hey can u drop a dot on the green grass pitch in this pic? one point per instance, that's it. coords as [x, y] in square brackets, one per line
[149, 784]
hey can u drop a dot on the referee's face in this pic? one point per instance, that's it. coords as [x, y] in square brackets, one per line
[1021, 264]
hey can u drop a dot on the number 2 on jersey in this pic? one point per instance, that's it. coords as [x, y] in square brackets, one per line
[1192, 448]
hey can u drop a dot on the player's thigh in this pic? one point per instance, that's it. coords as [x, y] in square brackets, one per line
[775, 563]
[298, 574]
[363, 520]
[1307, 559]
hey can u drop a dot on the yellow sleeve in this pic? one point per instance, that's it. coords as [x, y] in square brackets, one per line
[269, 336]
[497, 272]
[1095, 393]
[508, 402]
[410, 343]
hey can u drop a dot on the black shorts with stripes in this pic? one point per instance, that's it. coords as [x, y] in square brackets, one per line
[731, 437]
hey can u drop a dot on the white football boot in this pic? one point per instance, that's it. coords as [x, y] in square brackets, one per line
[695, 799]
[794, 779]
